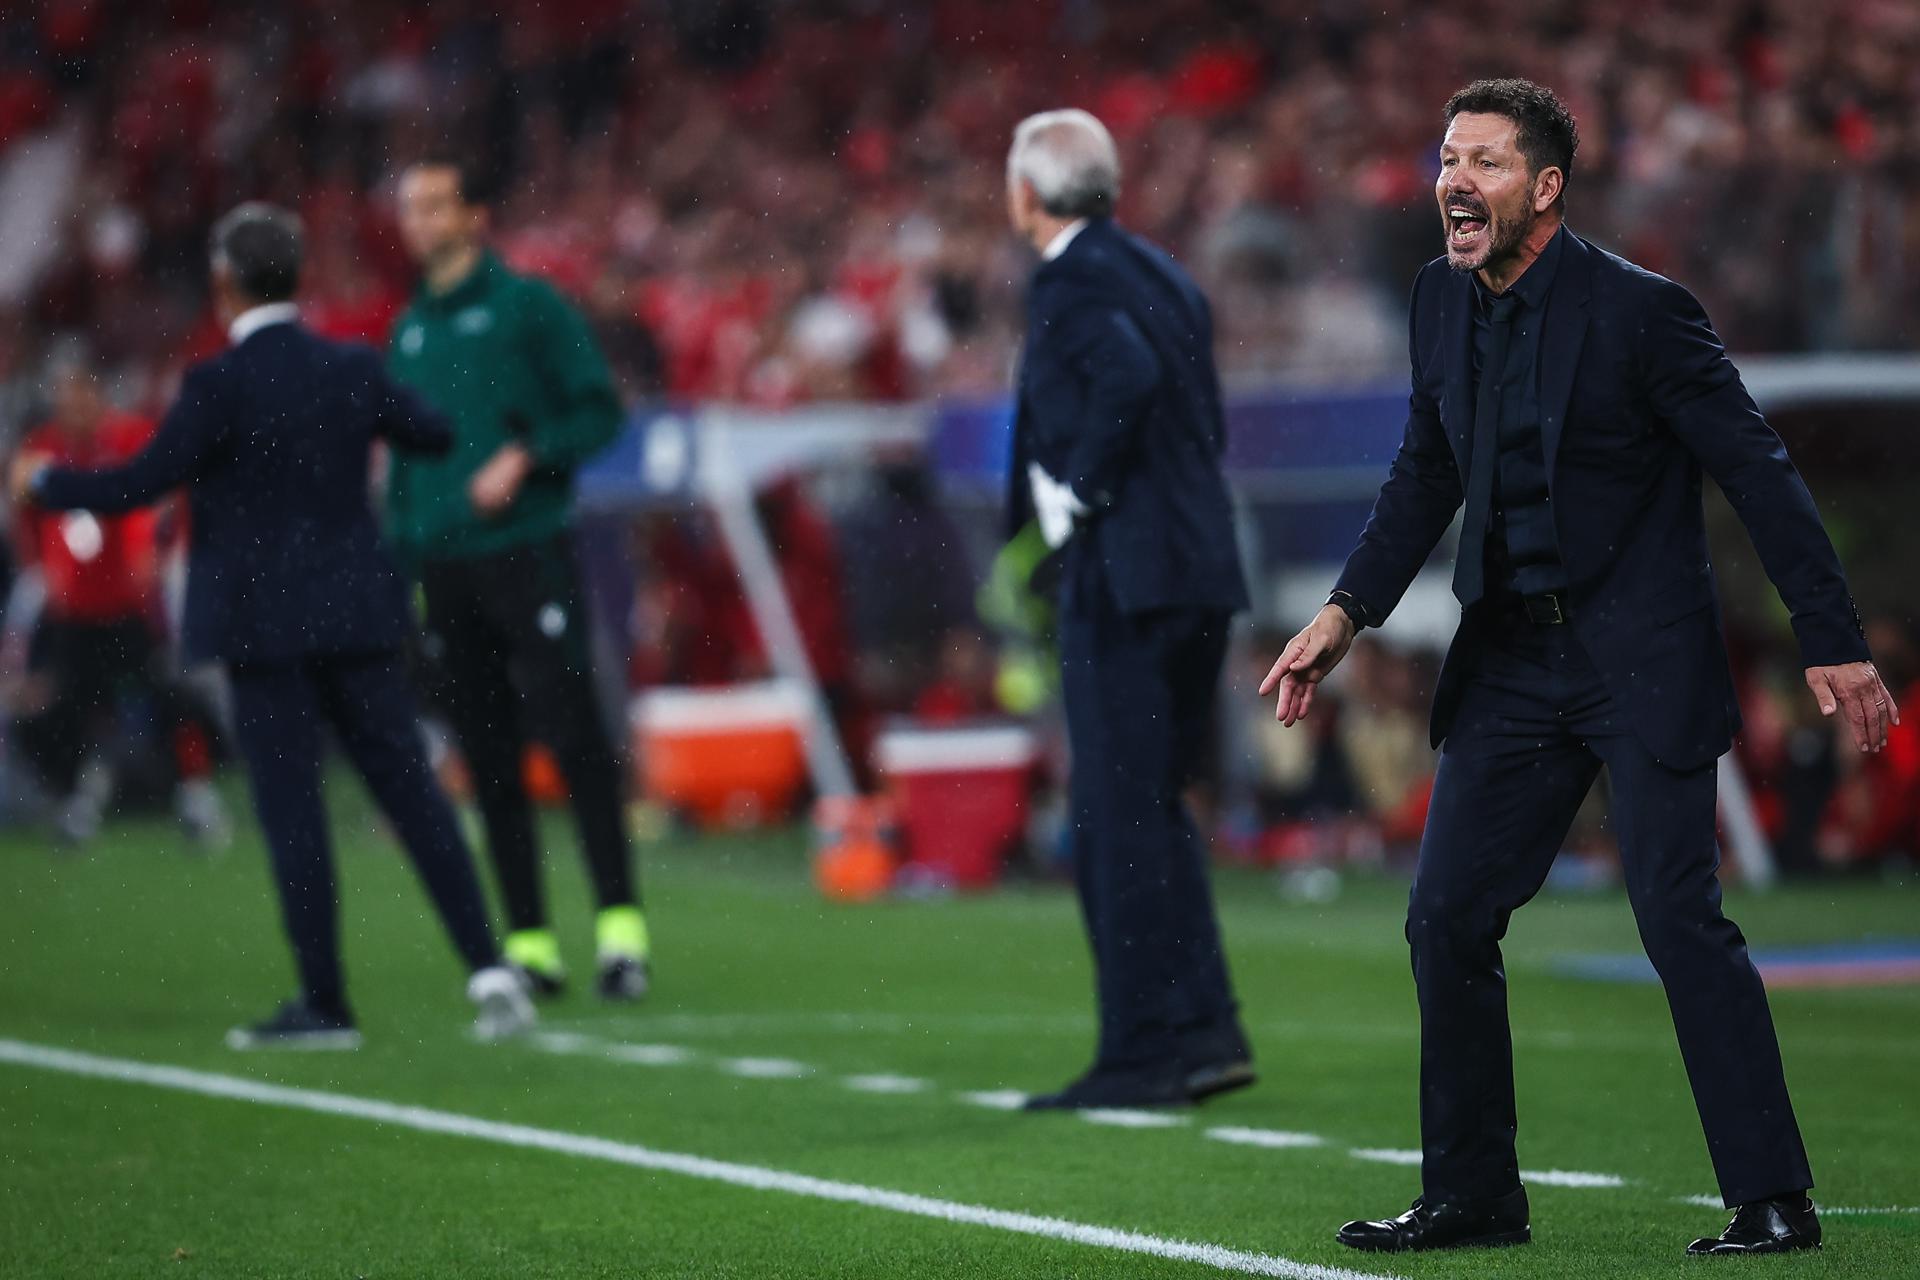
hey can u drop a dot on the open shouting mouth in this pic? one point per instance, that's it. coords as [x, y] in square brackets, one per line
[1467, 222]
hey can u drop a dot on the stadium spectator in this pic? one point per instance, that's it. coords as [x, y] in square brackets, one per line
[99, 642]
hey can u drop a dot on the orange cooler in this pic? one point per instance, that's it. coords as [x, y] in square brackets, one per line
[730, 755]
[960, 796]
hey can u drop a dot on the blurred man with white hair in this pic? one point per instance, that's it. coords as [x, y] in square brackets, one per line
[1116, 453]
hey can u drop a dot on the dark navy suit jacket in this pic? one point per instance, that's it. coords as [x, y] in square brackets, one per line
[1119, 399]
[1637, 401]
[272, 440]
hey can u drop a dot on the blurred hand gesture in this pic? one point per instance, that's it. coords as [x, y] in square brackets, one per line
[1855, 691]
[1307, 660]
[25, 470]
[496, 484]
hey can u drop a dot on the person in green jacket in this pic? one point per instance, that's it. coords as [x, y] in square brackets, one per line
[487, 530]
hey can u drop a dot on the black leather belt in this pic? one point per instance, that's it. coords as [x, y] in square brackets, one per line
[1548, 609]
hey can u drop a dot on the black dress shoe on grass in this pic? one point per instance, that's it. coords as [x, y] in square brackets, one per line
[1779, 1225]
[1098, 1090]
[1444, 1226]
[1216, 1078]
[298, 1025]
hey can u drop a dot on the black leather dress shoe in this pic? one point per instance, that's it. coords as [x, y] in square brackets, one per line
[1444, 1226]
[1779, 1225]
[1214, 1078]
[1106, 1088]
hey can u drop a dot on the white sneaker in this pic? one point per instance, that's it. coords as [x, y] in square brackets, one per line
[80, 818]
[203, 815]
[504, 1010]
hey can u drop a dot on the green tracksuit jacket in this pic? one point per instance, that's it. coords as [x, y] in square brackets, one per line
[506, 358]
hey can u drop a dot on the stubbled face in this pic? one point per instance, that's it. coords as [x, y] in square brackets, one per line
[1487, 198]
[435, 221]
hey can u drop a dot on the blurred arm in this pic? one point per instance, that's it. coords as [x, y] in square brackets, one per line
[190, 428]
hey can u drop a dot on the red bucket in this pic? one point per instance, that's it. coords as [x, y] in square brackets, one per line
[960, 796]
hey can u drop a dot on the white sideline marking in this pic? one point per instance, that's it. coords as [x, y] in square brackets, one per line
[848, 1021]
[1131, 1118]
[646, 1055]
[564, 1041]
[1855, 1211]
[752, 1177]
[883, 1082]
[1545, 1177]
[1826, 1210]
[1274, 1139]
[996, 1099]
[765, 1068]
[1570, 1178]
[654, 1055]
[649, 1055]
[1385, 1156]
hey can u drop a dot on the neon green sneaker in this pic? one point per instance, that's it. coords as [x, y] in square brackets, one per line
[535, 955]
[623, 948]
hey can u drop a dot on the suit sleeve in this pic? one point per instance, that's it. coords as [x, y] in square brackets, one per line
[192, 427]
[1019, 493]
[1415, 505]
[1695, 389]
[1101, 343]
[582, 413]
[406, 420]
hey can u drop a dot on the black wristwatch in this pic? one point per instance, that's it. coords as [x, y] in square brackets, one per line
[1355, 611]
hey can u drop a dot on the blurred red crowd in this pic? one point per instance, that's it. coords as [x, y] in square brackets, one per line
[776, 202]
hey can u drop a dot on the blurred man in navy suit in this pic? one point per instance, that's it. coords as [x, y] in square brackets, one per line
[290, 586]
[1571, 403]
[1116, 453]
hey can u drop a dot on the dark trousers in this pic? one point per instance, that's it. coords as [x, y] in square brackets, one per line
[1535, 725]
[1139, 695]
[91, 663]
[509, 632]
[279, 710]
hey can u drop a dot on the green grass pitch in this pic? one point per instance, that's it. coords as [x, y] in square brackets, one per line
[139, 952]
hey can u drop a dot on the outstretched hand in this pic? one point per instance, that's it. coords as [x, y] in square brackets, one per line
[24, 472]
[1307, 660]
[1854, 691]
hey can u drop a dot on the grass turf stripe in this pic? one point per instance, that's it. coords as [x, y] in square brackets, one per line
[752, 1177]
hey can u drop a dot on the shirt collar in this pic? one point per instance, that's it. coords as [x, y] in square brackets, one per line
[254, 319]
[469, 290]
[1536, 281]
[1063, 238]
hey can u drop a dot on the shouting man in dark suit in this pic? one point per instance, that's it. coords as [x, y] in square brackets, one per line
[1572, 402]
[289, 584]
[1116, 453]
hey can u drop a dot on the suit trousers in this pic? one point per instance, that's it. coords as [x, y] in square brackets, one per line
[279, 711]
[509, 631]
[1139, 691]
[1535, 725]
